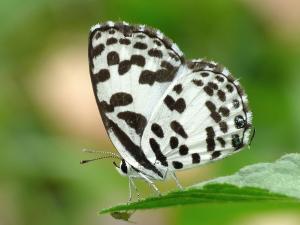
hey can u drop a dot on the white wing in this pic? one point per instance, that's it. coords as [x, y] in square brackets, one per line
[202, 117]
[130, 68]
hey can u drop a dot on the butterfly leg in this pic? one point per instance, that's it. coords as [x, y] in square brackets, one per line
[150, 183]
[132, 184]
[136, 190]
[130, 191]
[176, 180]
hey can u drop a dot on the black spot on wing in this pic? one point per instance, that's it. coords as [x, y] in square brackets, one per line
[173, 142]
[216, 116]
[195, 158]
[178, 105]
[155, 53]
[209, 91]
[178, 128]
[124, 41]
[148, 77]
[157, 42]
[97, 50]
[140, 45]
[210, 139]
[134, 120]
[124, 67]
[211, 106]
[222, 96]
[177, 165]
[219, 78]
[223, 126]
[221, 141]
[198, 82]
[158, 154]
[101, 76]
[111, 41]
[215, 154]
[138, 60]
[121, 99]
[229, 88]
[183, 150]
[112, 58]
[210, 132]
[157, 130]
[224, 111]
[177, 88]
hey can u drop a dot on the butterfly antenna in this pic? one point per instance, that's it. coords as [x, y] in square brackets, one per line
[116, 164]
[101, 152]
[102, 157]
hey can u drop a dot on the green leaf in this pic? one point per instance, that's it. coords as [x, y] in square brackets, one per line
[282, 176]
[278, 181]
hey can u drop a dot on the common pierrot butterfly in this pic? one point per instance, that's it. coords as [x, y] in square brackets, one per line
[162, 112]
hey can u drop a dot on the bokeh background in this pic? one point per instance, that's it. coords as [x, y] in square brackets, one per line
[48, 112]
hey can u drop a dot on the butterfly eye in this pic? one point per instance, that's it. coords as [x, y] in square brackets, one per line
[123, 166]
[239, 122]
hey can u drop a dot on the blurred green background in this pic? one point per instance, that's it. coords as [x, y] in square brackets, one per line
[48, 112]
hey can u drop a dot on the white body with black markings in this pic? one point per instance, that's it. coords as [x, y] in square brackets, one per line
[163, 113]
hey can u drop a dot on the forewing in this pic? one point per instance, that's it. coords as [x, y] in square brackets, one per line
[202, 117]
[130, 68]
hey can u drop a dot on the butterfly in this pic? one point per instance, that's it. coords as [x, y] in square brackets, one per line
[162, 112]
